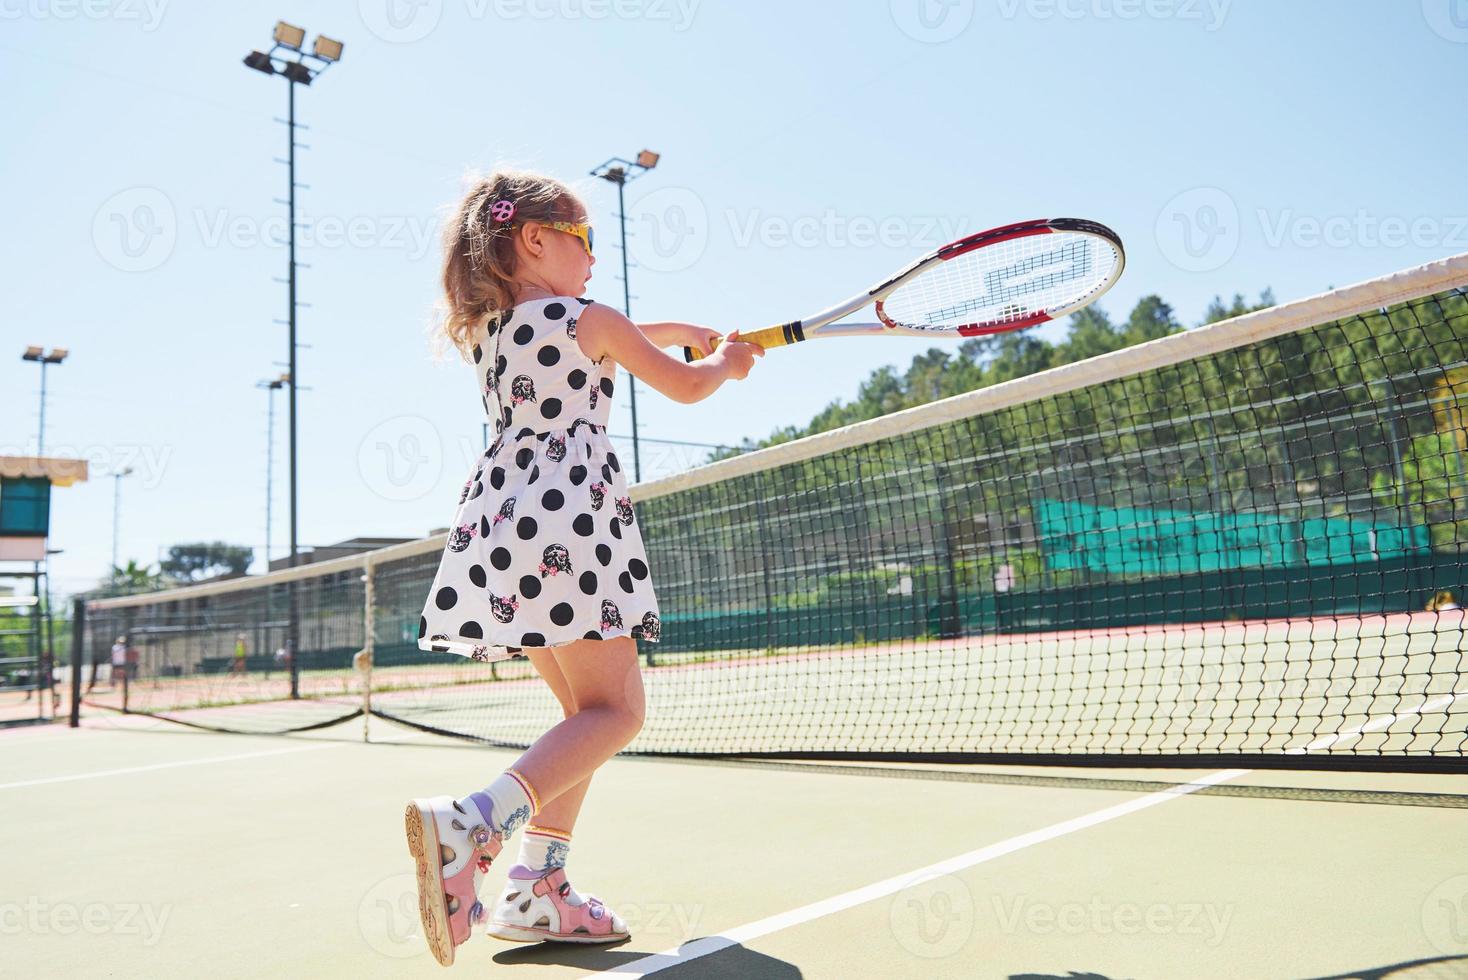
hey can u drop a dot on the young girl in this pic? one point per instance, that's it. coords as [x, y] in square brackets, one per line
[545, 555]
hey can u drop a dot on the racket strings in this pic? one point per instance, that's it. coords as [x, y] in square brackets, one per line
[1005, 282]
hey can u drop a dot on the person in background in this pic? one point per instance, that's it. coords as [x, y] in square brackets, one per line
[119, 659]
[238, 667]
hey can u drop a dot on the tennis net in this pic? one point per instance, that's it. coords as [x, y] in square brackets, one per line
[1237, 544]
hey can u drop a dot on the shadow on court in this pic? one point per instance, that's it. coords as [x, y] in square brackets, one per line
[735, 963]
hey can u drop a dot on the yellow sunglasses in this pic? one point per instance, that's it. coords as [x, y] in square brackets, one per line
[581, 231]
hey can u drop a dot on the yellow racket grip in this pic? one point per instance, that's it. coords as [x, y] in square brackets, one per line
[777, 336]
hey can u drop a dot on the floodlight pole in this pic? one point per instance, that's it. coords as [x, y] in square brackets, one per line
[619, 171]
[296, 71]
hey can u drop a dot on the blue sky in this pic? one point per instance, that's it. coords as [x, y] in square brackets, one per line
[808, 149]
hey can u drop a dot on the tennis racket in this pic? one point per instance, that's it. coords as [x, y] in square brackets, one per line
[1002, 279]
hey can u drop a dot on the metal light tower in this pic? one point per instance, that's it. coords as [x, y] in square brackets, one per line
[57, 355]
[286, 58]
[619, 171]
[271, 387]
[116, 509]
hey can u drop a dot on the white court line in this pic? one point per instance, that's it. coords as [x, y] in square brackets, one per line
[839, 903]
[1442, 701]
[172, 765]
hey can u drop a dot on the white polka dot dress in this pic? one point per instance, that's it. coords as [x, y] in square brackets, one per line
[545, 548]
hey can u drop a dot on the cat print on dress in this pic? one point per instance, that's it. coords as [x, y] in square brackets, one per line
[507, 511]
[556, 559]
[611, 616]
[576, 425]
[598, 494]
[555, 449]
[594, 390]
[460, 537]
[504, 606]
[651, 628]
[522, 389]
[624, 510]
[571, 328]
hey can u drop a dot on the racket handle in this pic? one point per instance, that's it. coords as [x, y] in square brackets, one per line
[777, 336]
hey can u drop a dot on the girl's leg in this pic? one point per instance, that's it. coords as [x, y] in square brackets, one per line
[562, 811]
[606, 685]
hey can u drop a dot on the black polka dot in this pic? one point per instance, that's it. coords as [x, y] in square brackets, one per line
[588, 583]
[578, 475]
[524, 431]
[524, 334]
[532, 640]
[592, 635]
[638, 568]
[604, 554]
[534, 473]
[606, 387]
[554, 311]
[477, 353]
[616, 529]
[583, 525]
[524, 457]
[529, 586]
[561, 614]
[446, 598]
[500, 364]
[625, 581]
[484, 527]
[550, 408]
[606, 472]
[478, 489]
[422, 627]
[497, 477]
[613, 463]
[526, 528]
[500, 558]
[576, 379]
[476, 575]
[472, 630]
[553, 500]
[506, 419]
[548, 355]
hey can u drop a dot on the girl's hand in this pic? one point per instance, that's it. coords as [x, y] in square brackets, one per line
[703, 340]
[737, 357]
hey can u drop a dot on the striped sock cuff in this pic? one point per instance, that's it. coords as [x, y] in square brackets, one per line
[564, 835]
[529, 790]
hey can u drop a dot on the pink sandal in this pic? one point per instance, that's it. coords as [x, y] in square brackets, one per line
[453, 849]
[535, 907]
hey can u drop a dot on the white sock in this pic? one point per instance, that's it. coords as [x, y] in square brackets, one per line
[506, 804]
[543, 850]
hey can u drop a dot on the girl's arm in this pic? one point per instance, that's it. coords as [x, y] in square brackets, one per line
[679, 335]
[603, 332]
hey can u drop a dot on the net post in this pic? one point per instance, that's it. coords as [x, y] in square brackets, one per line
[369, 626]
[78, 645]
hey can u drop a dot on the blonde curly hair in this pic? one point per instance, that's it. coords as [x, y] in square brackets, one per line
[479, 252]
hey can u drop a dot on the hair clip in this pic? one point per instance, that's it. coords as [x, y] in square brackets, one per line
[502, 210]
